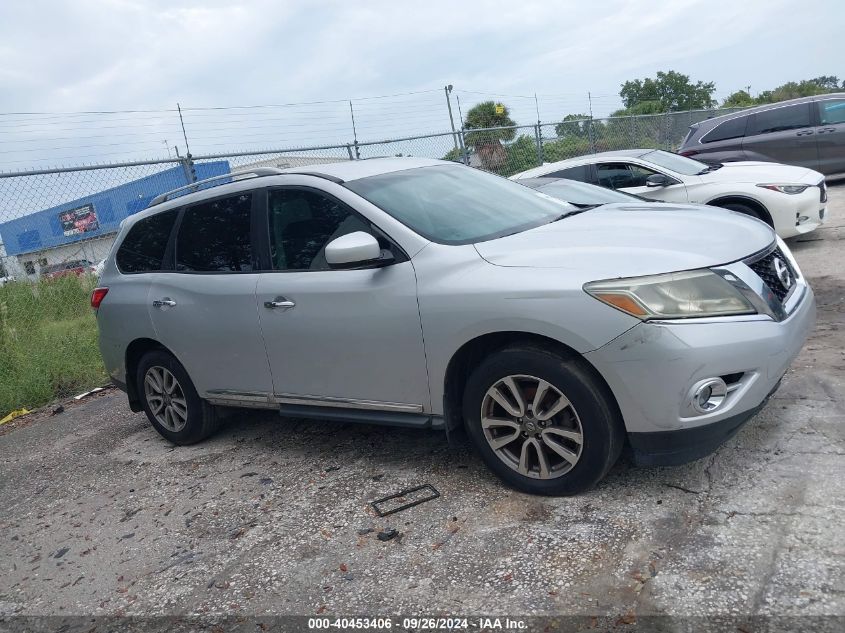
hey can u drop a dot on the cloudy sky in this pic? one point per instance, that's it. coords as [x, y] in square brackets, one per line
[61, 58]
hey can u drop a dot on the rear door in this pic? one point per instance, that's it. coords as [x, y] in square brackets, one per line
[830, 134]
[783, 134]
[339, 338]
[203, 306]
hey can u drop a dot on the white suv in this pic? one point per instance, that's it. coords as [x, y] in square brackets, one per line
[422, 293]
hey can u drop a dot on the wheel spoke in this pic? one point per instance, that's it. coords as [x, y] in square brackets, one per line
[542, 458]
[561, 450]
[507, 403]
[539, 394]
[154, 381]
[169, 382]
[494, 423]
[180, 406]
[575, 436]
[523, 458]
[156, 403]
[499, 442]
[553, 410]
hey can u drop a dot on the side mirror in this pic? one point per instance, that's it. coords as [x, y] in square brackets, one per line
[658, 180]
[354, 250]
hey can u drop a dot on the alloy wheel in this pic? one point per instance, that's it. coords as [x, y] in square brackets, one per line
[166, 399]
[532, 426]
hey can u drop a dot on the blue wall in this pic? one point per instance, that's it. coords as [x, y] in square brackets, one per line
[42, 230]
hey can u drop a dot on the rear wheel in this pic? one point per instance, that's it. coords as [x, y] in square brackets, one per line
[171, 401]
[544, 424]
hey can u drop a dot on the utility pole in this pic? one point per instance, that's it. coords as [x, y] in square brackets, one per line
[448, 91]
[354, 132]
[190, 171]
[463, 141]
[590, 129]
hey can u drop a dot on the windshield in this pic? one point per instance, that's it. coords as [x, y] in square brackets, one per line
[578, 193]
[679, 164]
[453, 204]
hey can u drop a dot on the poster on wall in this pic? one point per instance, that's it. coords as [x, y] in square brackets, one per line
[80, 220]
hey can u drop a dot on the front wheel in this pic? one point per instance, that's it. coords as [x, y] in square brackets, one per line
[171, 401]
[543, 423]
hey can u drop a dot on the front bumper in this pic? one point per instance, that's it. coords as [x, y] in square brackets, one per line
[652, 367]
[798, 214]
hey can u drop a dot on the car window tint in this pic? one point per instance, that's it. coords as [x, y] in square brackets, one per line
[143, 248]
[733, 128]
[831, 111]
[780, 119]
[580, 173]
[302, 223]
[215, 236]
[621, 175]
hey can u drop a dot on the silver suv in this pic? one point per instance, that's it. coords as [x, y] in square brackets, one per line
[421, 293]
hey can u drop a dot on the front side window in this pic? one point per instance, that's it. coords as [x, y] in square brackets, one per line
[215, 236]
[831, 111]
[302, 223]
[732, 128]
[622, 175]
[143, 248]
[780, 119]
[454, 204]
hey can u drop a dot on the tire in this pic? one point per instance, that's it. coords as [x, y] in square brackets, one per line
[745, 210]
[190, 419]
[587, 408]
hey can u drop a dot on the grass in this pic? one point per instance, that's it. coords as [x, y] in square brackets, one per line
[48, 342]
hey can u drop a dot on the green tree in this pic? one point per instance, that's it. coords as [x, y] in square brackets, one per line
[797, 89]
[487, 143]
[671, 91]
[738, 99]
[574, 125]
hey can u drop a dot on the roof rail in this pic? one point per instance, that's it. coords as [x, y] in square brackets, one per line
[256, 172]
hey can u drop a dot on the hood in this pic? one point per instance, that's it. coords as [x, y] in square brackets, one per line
[759, 172]
[632, 239]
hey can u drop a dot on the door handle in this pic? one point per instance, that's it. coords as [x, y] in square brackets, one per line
[280, 302]
[827, 129]
[804, 133]
[167, 301]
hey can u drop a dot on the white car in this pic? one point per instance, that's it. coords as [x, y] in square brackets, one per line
[793, 200]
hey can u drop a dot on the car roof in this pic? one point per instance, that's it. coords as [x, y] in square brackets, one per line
[348, 170]
[716, 120]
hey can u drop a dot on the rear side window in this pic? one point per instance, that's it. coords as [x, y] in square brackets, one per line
[732, 128]
[215, 236]
[143, 248]
[780, 119]
[831, 111]
[580, 173]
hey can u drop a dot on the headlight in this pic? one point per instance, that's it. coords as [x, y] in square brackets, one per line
[694, 293]
[790, 189]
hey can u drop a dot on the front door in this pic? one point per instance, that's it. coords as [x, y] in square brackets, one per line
[203, 309]
[337, 337]
[830, 135]
[631, 178]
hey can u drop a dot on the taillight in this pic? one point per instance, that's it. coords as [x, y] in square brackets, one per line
[97, 297]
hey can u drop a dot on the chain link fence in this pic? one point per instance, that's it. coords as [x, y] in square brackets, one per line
[57, 225]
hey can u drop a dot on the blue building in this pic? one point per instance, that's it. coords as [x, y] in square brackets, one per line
[84, 228]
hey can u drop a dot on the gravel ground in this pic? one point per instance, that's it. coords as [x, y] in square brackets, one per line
[102, 516]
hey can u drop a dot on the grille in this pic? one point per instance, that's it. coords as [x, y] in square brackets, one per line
[765, 269]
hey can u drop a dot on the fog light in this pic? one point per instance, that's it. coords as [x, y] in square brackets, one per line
[708, 395]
